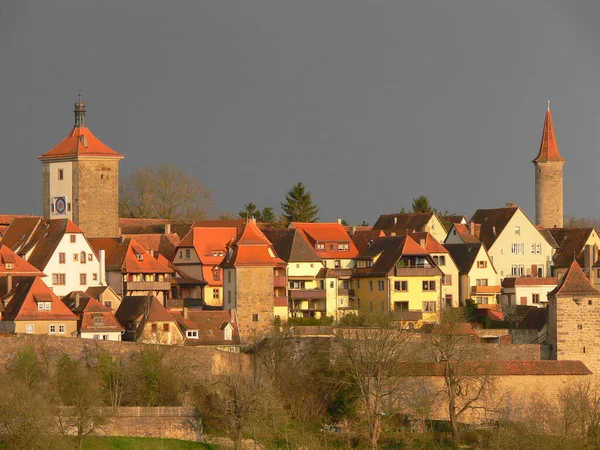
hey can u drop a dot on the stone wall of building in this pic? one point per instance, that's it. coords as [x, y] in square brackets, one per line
[549, 194]
[96, 197]
[255, 299]
[574, 329]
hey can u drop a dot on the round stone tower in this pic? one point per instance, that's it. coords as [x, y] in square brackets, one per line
[549, 179]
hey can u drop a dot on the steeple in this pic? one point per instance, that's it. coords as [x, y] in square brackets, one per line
[548, 147]
[79, 111]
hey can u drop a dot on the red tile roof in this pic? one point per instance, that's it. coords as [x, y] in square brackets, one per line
[529, 281]
[465, 234]
[210, 325]
[428, 242]
[80, 142]
[363, 239]
[122, 254]
[209, 240]
[23, 303]
[548, 147]
[163, 244]
[20, 267]
[571, 242]
[252, 248]
[328, 234]
[503, 368]
[575, 282]
[88, 309]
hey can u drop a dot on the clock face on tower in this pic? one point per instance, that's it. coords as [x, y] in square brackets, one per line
[60, 205]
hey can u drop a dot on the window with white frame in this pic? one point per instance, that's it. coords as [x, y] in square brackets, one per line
[62, 329]
[191, 334]
[442, 260]
[52, 329]
[227, 334]
[517, 230]
[429, 306]
[517, 248]
[29, 328]
[517, 270]
[538, 248]
[44, 306]
[429, 285]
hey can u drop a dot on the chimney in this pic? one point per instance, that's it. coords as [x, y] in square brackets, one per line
[494, 230]
[102, 274]
[422, 242]
[339, 221]
[588, 262]
[9, 282]
[76, 300]
[472, 228]
[185, 312]
[395, 220]
[511, 205]
[167, 228]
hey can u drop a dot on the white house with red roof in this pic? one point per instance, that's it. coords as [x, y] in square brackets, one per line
[58, 248]
[199, 254]
[95, 321]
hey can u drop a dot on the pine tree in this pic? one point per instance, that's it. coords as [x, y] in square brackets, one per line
[250, 210]
[268, 215]
[298, 206]
[421, 205]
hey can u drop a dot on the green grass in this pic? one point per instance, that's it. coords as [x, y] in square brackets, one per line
[130, 443]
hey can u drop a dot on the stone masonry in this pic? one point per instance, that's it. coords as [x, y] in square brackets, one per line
[96, 197]
[549, 194]
[254, 297]
[574, 328]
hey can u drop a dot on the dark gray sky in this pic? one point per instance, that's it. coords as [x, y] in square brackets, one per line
[369, 103]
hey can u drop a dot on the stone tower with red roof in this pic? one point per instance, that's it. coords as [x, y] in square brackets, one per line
[81, 180]
[549, 179]
[574, 319]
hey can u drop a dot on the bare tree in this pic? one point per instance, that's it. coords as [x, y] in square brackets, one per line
[79, 391]
[467, 375]
[114, 376]
[373, 360]
[164, 192]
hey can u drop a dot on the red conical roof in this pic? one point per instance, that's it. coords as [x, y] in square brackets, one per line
[548, 147]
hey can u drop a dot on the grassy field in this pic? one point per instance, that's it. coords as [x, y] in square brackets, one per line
[130, 443]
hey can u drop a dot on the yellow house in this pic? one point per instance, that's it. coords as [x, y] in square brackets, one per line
[32, 308]
[394, 274]
[478, 279]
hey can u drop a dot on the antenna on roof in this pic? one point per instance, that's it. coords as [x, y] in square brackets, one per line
[548, 104]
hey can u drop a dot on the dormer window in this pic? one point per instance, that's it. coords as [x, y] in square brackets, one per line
[44, 306]
[227, 332]
[9, 265]
[188, 253]
[98, 321]
[216, 274]
[320, 247]
[140, 256]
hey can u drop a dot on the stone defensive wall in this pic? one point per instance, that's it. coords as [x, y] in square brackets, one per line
[196, 360]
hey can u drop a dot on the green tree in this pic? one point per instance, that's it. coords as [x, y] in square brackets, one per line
[25, 367]
[421, 204]
[267, 215]
[298, 205]
[364, 223]
[250, 210]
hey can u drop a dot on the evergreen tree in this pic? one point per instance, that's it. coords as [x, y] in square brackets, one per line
[421, 205]
[250, 210]
[268, 215]
[298, 206]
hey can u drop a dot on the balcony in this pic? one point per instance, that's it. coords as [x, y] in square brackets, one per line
[346, 292]
[279, 281]
[485, 290]
[281, 301]
[414, 271]
[311, 306]
[408, 315]
[147, 285]
[307, 294]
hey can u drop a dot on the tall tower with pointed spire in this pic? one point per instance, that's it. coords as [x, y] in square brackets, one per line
[549, 179]
[81, 180]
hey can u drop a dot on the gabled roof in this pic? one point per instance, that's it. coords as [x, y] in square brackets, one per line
[160, 243]
[571, 243]
[388, 251]
[97, 291]
[80, 142]
[428, 242]
[20, 267]
[179, 277]
[548, 147]
[134, 307]
[363, 239]
[548, 236]
[22, 303]
[510, 282]
[327, 233]
[39, 236]
[291, 245]
[455, 218]
[413, 222]
[493, 222]
[464, 255]
[575, 282]
[251, 248]
[89, 311]
[465, 233]
[207, 240]
[210, 326]
[122, 255]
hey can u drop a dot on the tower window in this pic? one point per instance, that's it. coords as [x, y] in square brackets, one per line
[61, 174]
